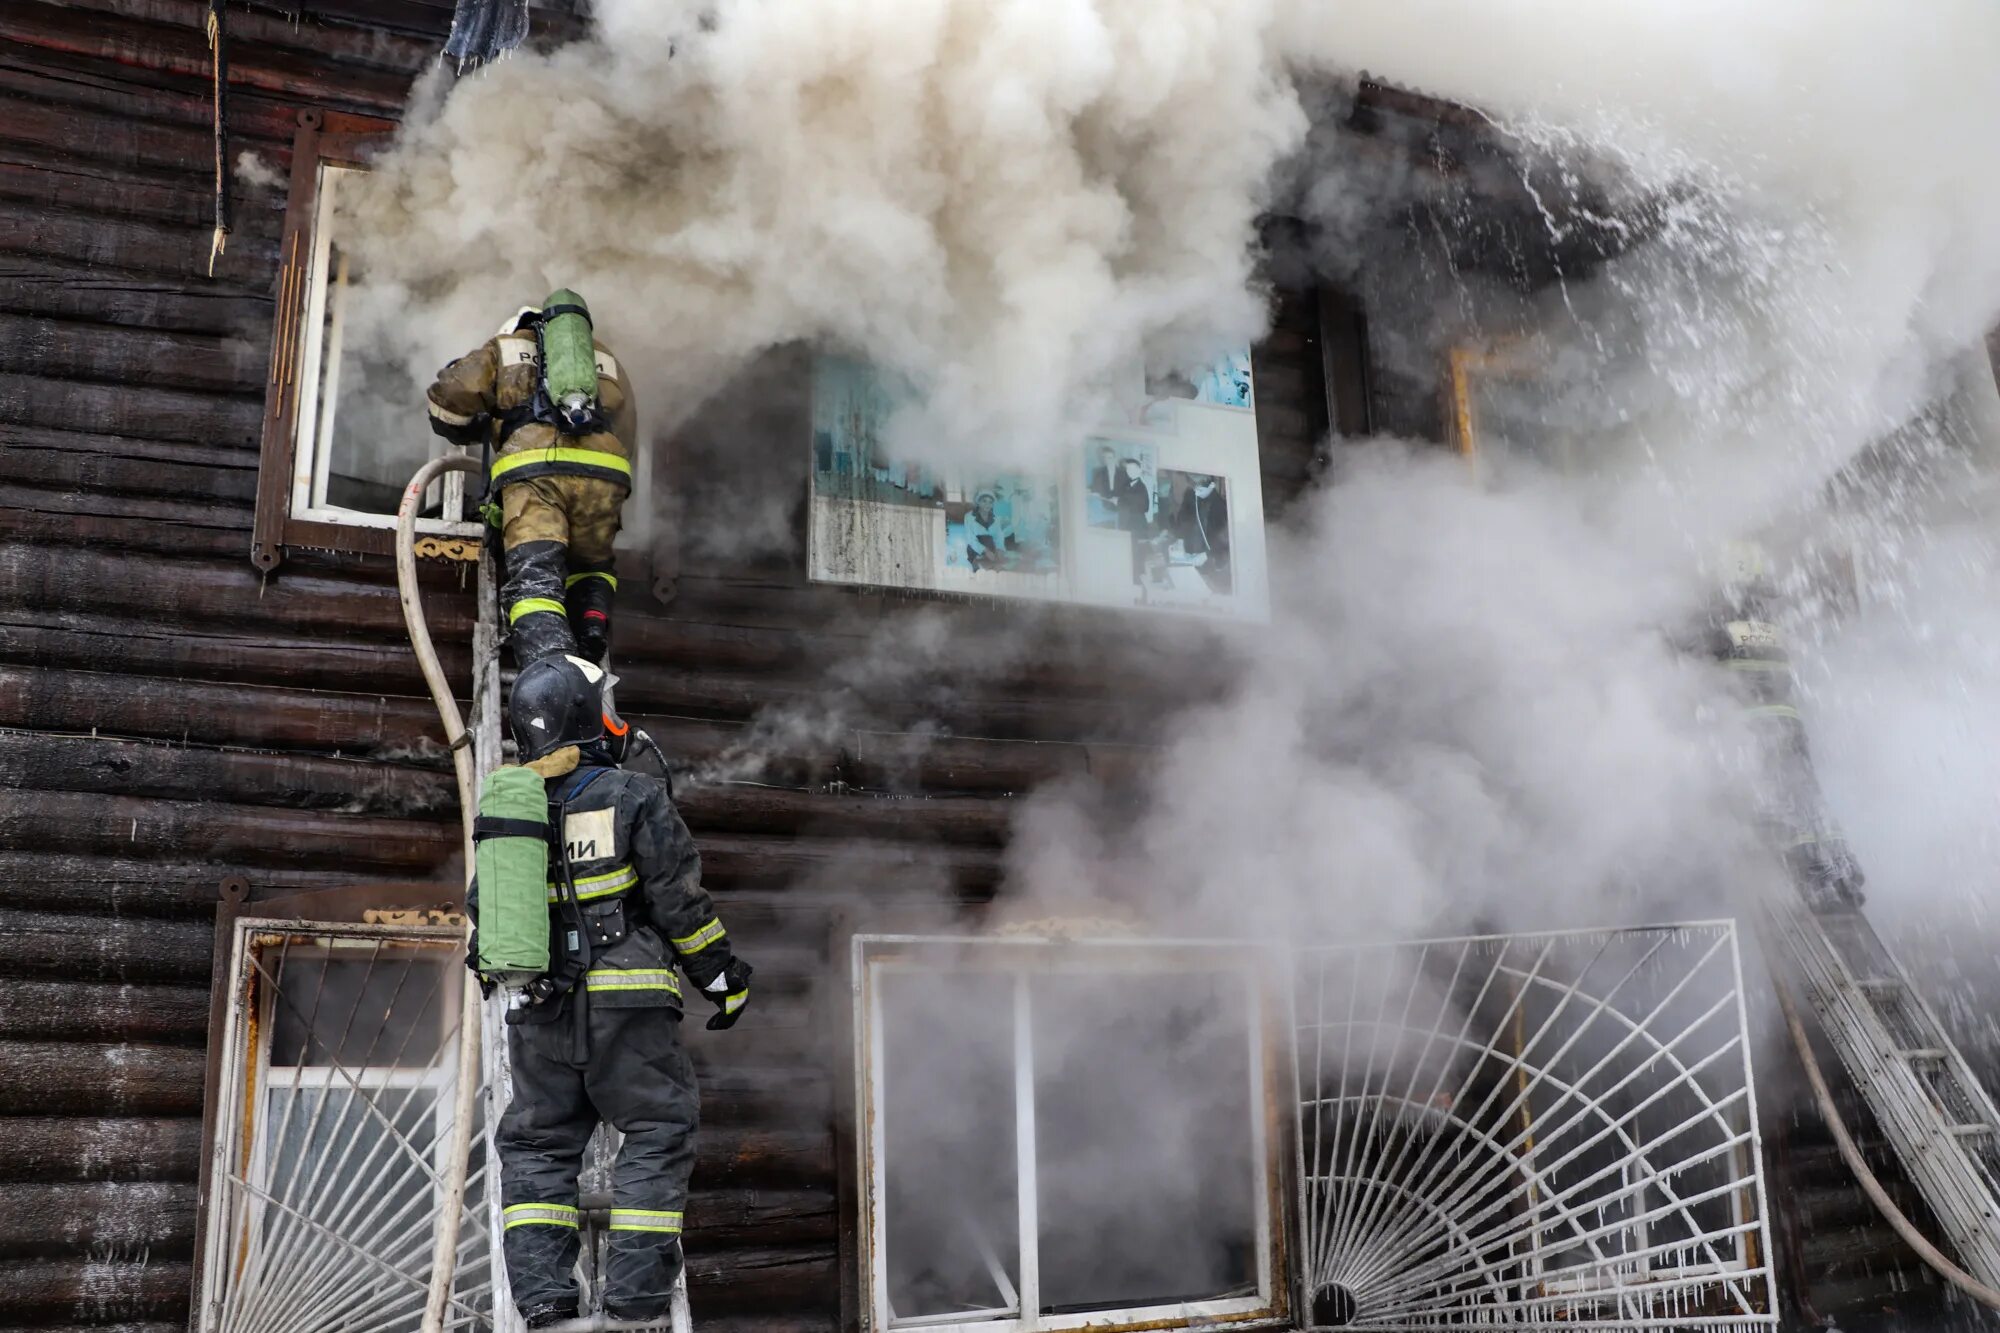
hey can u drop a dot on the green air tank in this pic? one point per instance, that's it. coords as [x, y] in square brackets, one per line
[511, 851]
[569, 361]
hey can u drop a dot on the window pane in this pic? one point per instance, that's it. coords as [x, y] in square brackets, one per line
[370, 431]
[1147, 1164]
[381, 1011]
[947, 1115]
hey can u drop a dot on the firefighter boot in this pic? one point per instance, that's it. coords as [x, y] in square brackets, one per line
[537, 617]
[588, 594]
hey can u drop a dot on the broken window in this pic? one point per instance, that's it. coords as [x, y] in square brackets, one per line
[1065, 1136]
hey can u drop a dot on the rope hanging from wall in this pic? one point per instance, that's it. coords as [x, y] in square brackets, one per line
[218, 45]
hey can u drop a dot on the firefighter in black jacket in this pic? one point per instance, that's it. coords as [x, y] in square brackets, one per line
[607, 1046]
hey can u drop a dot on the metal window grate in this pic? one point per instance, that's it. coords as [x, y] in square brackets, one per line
[341, 1050]
[1530, 1131]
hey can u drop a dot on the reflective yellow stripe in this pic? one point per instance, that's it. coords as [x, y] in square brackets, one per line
[645, 1219]
[538, 1215]
[631, 978]
[598, 886]
[735, 1002]
[527, 606]
[702, 938]
[575, 579]
[560, 454]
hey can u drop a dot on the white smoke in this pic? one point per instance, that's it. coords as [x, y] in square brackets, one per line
[1468, 703]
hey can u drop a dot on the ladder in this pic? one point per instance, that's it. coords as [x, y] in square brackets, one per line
[490, 747]
[1942, 1124]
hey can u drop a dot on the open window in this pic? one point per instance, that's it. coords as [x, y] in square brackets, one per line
[344, 419]
[1065, 1136]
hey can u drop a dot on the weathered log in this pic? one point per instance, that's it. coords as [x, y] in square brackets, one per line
[130, 511]
[74, 946]
[135, 143]
[79, 1078]
[56, 79]
[77, 291]
[53, 176]
[729, 1157]
[183, 51]
[152, 768]
[972, 820]
[232, 834]
[71, 530]
[268, 716]
[125, 886]
[151, 1217]
[806, 1321]
[168, 414]
[736, 1096]
[150, 249]
[347, 48]
[146, 646]
[794, 1280]
[40, 1292]
[849, 870]
[227, 467]
[722, 1218]
[71, 1010]
[59, 349]
[48, 1148]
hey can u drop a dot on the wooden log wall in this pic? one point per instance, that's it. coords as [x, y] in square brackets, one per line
[169, 717]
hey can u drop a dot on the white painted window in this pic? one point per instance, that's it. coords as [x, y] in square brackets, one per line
[324, 1178]
[361, 429]
[1065, 1136]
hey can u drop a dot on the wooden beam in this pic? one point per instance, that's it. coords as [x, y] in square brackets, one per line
[112, 409]
[150, 249]
[40, 1292]
[78, 291]
[48, 1148]
[65, 945]
[62, 350]
[54, 1219]
[75, 1078]
[70, 1010]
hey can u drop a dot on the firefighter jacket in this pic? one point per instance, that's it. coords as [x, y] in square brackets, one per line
[638, 881]
[499, 381]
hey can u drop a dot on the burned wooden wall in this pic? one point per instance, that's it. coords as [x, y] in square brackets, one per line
[170, 717]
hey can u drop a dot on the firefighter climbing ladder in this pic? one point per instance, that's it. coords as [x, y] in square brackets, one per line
[1942, 1124]
[477, 750]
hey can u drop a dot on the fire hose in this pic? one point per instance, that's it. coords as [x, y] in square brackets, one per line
[1850, 1153]
[452, 1190]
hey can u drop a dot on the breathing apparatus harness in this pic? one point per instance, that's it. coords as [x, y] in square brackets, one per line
[566, 389]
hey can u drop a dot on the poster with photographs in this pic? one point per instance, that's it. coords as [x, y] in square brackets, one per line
[1161, 508]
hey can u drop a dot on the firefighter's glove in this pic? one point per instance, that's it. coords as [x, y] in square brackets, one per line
[729, 993]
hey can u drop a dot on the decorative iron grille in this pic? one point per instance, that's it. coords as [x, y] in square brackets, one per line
[1530, 1131]
[339, 1060]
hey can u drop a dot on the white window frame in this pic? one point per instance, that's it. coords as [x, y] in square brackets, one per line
[1025, 956]
[235, 1216]
[319, 349]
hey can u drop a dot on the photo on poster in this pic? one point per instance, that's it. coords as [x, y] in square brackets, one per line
[1190, 555]
[852, 406]
[1227, 383]
[1005, 523]
[1118, 479]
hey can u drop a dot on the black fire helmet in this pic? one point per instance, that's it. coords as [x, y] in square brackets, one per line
[557, 701]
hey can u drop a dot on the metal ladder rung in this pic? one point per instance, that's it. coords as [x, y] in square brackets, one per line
[1883, 984]
[1931, 1054]
[1969, 1131]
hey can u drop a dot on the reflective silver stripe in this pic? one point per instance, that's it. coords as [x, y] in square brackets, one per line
[702, 938]
[447, 416]
[598, 886]
[538, 1215]
[631, 978]
[645, 1219]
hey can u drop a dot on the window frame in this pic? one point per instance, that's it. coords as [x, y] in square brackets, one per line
[1023, 955]
[285, 518]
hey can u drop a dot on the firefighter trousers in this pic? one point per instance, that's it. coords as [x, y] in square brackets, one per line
[557, 532]
[640, 1080]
